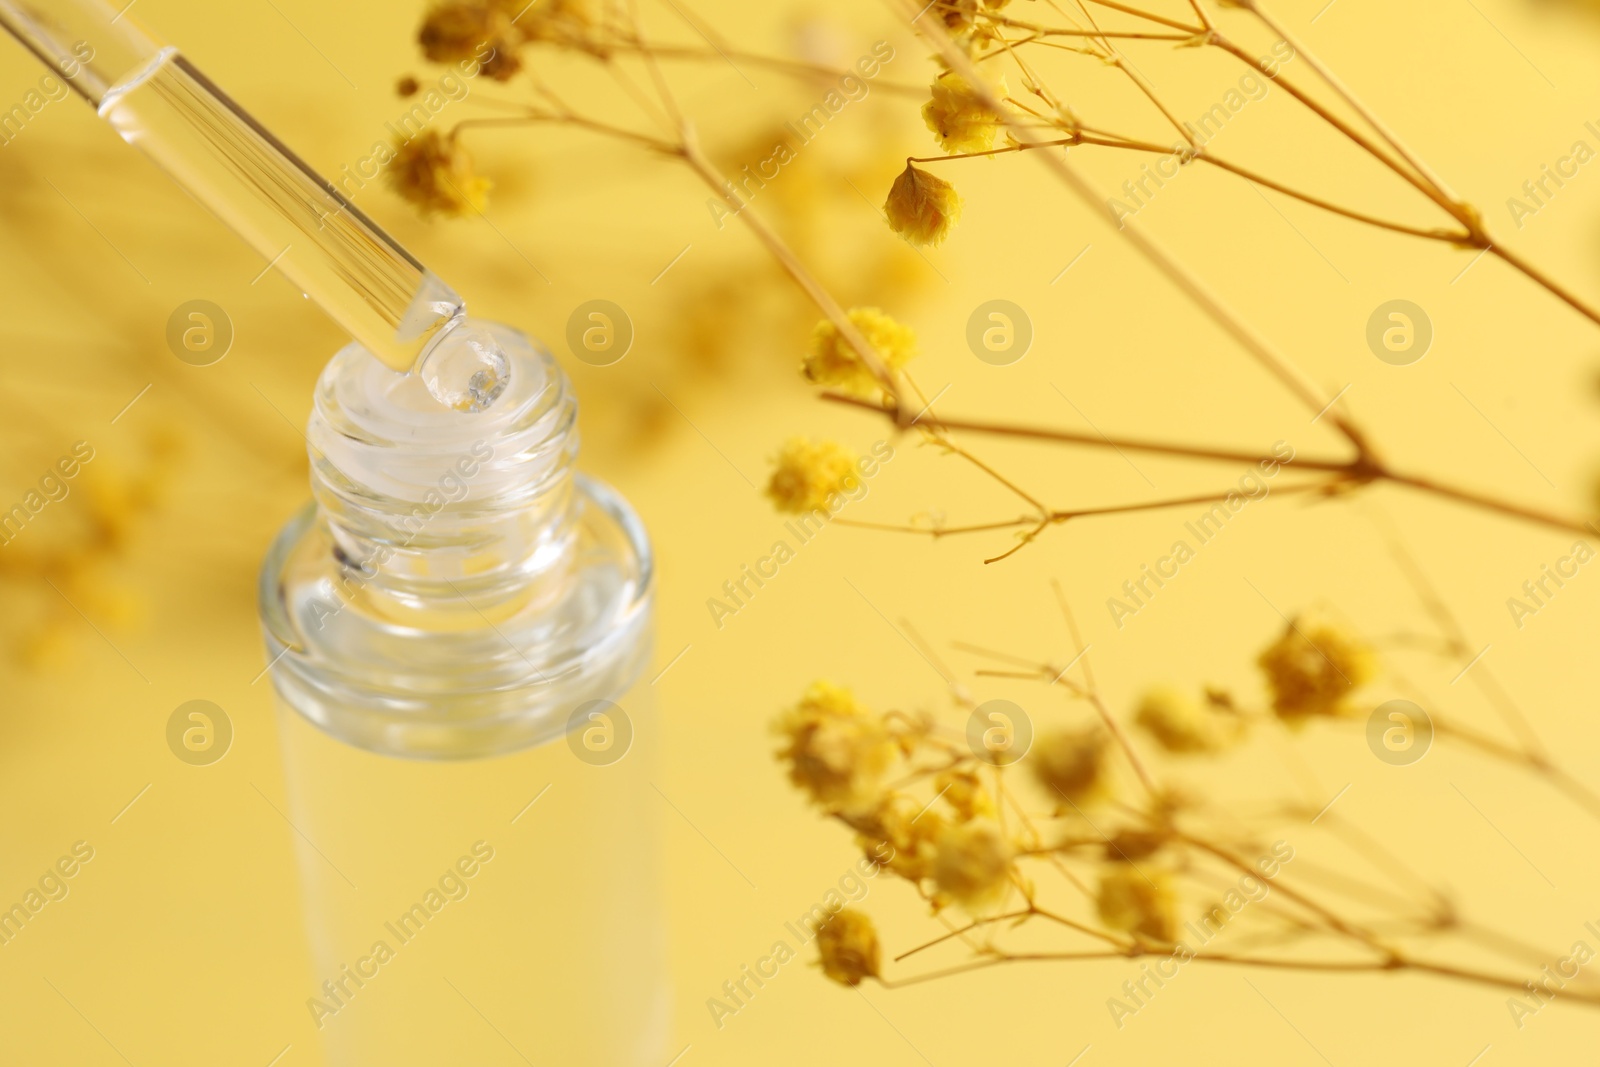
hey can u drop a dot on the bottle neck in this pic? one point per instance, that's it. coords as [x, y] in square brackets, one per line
[439, 512]
[456, 590]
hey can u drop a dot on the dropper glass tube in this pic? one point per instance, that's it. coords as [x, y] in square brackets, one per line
[159, 102]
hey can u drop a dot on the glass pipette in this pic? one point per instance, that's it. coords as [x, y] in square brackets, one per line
[159, 102]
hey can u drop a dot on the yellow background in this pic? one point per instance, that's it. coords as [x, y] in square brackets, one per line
[179, 943]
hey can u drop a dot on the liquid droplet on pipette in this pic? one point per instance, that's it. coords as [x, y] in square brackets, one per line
[466, 369]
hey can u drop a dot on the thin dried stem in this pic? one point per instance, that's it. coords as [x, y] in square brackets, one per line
[1361, 470]
[1454, 237]
[1464, 974]
[1541, 278]
[1127, 444]
[535, 116]
[1049, 517]
[1148, 16]
[1484, 501]
[1419, 173]
[1351, 99]
[1360, 139]
[1290, 376]
[798, 68]
[1449, 625]
[791, 263]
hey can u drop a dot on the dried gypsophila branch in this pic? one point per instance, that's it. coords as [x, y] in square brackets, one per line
[960, 111]
[984, 22]
[975, 88]
[1358, 471]
[977, 872]
[1392, 959]
[574, 26]
[1531, 758]
[854, 356]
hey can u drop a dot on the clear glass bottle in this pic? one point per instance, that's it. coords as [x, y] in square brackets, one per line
[455, 629]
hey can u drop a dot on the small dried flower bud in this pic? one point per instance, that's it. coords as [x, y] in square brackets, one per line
[407, 86]
[832, 361]
[957, 14]
[1312, 667]
[1181, 725]
[965, 794]
[848, 943]
[962, 22]
[562, 22]
[809, 476]
[972, 864]
[1131, 846]
[1139, 901]
[436, 174]
[1072, 766]
[922, 207]
[837, 751]
[452, 29]
[958, 116]
[901, 836]
[480, 31]
[503, 64]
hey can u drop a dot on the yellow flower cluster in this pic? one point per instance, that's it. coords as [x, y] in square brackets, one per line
[1138, 900]
[956, 850]
[964, 791]
[1181, 725]
[478, 30]
[435, 173]
[832, 361]
[849, 946]
[807, 474]
[910, 834]
[493, 31]
[959, 118]
[972, 865]
[951, 848]
[968, 861]
[962, 21]
[84, 554]
[837, 750]
[1313, 667]
[1072, 766]
[923, 208]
